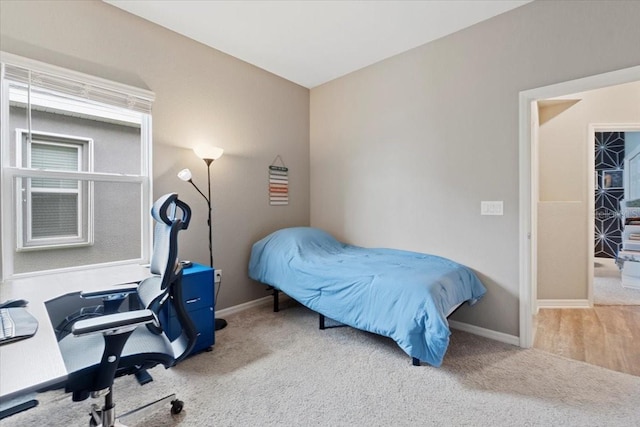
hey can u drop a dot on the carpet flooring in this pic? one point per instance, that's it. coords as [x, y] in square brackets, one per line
[607, 285]
[278, 369]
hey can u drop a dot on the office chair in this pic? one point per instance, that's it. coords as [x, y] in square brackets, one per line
[99, 349]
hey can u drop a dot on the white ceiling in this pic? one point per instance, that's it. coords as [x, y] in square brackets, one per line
[313, 42]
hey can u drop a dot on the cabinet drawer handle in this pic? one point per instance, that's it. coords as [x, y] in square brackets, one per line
[192, 300]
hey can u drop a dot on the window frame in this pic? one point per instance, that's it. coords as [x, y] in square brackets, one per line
[24, 232]
[135, 107]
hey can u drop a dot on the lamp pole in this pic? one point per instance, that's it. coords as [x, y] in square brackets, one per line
[208, 162]
[219, 323]
[208, 200]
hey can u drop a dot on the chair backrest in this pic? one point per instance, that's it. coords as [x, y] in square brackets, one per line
[164, 257]
[165, 212]
[164, 289]
[171, 216]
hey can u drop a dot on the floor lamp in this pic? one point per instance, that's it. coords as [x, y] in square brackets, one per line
[208, 153]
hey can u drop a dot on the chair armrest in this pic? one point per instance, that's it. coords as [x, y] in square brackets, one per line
[113, 324]
[120, 291]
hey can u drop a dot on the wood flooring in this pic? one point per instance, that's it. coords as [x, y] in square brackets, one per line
[605, 335]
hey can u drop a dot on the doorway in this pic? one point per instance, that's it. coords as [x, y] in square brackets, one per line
[528, 183]
[599, 335]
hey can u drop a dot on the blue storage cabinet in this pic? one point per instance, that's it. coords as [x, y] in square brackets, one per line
[198, 294]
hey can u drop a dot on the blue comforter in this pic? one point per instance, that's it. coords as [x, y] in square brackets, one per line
[406, 296]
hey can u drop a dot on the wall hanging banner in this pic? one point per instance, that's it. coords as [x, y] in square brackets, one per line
[278, 183]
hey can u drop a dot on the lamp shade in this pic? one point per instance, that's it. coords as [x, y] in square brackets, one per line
[185, 175]
[208, 152]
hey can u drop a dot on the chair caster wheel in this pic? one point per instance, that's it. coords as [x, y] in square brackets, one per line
[95, 421]
[176, 406]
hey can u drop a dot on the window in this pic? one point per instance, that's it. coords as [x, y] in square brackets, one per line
[53, 212]
[76, 170]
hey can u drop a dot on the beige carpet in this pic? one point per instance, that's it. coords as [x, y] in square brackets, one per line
[607, 285]
[278, 369]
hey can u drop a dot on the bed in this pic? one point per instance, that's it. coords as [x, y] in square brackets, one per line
[403, 295]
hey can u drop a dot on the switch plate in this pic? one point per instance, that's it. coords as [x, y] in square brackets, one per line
[491, 207]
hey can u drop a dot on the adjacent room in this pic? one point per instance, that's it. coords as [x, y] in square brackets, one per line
[587, 296]
[319, 213]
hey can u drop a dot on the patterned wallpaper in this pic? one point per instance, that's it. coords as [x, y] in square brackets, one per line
[609, 156]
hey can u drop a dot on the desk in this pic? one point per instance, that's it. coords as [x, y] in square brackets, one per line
[35, 363]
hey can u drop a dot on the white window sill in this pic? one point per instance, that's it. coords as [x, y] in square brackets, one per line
[44, 287]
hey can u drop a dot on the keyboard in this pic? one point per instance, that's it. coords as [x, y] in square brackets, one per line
[16, 323]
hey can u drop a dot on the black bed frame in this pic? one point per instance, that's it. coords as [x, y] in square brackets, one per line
[321, 318]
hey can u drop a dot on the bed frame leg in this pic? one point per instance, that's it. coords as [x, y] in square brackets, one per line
[323, 325]
[415, 361]
[276, 301]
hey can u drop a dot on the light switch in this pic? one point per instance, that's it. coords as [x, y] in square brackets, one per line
[491, 208]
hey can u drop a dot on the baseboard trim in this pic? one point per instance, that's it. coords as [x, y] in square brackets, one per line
[486, 333]
[250, 304]
[563, 303]
[242, 307]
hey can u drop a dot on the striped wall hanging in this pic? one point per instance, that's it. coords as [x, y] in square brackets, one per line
[278, 183]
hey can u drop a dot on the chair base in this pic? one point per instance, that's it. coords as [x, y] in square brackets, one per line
[106, 417]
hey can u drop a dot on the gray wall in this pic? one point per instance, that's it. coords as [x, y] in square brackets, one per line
[201, 94]
[117, 233]
[403, 151]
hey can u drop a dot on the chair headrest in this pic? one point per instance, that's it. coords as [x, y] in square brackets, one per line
[165, 210]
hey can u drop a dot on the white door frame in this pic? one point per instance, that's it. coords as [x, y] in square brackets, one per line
[528, 182]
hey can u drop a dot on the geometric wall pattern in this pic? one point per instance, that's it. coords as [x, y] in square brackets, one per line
[609, 156]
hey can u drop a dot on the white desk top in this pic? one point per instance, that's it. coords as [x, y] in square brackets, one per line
[36, 362]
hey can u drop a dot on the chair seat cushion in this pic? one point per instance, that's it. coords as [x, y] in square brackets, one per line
[82, 355]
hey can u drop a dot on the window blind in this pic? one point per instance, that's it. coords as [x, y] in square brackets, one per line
[54, 215]
[50, 156]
